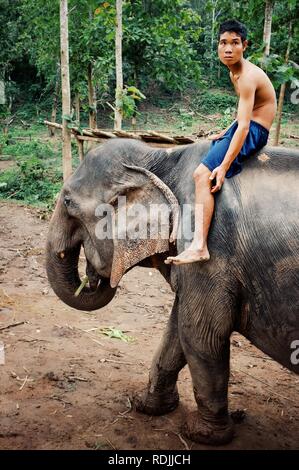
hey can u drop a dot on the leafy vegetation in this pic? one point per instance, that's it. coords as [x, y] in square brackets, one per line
[31, 181]
[169, 57]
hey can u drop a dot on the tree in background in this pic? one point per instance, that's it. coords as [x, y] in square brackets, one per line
[166, 45]
[269, 4]
[158, 44]
[118, 66]
[10, 52]
[283, 87]
[66, 92]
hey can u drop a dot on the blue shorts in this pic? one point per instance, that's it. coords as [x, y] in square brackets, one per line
[256, 139]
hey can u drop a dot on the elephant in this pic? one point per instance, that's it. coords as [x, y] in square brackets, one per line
[249, 286]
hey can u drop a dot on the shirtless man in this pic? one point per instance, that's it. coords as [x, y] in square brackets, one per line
[229, 149]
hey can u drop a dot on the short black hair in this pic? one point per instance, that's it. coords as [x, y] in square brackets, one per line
[233, 26]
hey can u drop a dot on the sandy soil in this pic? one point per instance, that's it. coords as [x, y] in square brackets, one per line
[65, 385]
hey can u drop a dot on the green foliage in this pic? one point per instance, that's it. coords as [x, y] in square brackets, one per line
[34, 148]
[169, 46]
[276, 68]
[213, 102]
[10, 49]
[31, 181]
[3, 140]
[112, 332]
[158, 43]
[227, 118]
[129, 97]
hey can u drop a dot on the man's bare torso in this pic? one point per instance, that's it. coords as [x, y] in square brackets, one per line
[264, 108]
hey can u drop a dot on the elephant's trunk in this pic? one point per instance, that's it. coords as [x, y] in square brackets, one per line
[63, 249]
[62, 270]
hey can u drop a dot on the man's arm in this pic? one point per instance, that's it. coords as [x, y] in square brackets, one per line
[245, 107]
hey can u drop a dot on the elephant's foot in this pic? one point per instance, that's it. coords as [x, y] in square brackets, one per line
[156, 404]
[205, 432]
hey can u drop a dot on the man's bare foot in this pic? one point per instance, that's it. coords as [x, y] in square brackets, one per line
[189, 256]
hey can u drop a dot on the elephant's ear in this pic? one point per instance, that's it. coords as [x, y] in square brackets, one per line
[146, 202]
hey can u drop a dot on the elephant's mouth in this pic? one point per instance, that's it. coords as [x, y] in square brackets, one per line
[62, 270]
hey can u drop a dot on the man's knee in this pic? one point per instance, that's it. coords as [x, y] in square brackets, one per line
[201, 174]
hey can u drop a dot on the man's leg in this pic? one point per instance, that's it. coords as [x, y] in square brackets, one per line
[203, 213]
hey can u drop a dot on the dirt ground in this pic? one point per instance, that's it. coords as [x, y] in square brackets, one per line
[65, 385]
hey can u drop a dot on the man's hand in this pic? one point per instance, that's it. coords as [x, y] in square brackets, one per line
[219, 173]
[216, 136]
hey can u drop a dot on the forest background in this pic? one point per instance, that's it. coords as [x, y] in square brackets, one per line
[173, 80]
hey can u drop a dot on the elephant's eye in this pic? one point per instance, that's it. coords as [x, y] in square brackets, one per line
[67, 200]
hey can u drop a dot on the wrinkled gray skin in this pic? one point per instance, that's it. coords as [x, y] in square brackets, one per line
[250, 285]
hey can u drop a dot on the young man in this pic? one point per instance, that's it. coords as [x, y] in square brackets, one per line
[229, 149]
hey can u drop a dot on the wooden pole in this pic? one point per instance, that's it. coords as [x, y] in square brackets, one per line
[80, 149]
[65, 89]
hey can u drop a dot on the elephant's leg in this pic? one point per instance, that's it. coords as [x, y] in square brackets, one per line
[207, 350]
[161, 395]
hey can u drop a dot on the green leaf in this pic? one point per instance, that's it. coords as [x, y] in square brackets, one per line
[67, 117]
[115, 333]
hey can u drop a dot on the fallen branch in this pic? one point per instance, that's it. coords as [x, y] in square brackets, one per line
[74, 377]
[118, 362]
[292, 136]
[177, 434]
[23, 384]
[12, 325]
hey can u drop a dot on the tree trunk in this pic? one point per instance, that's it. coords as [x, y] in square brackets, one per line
[65, 88]
[77, 108]
[55, 100]
[92, 99]
[118, 63]
[267, 26]
[212, 39]
[283, 89]
[134, 117]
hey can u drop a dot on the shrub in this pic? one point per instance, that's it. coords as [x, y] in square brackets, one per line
[31, 181]
[213, 102]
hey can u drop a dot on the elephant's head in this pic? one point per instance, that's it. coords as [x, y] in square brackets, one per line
[88, 214]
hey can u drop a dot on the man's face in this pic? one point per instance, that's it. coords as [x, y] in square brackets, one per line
[231, 48]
